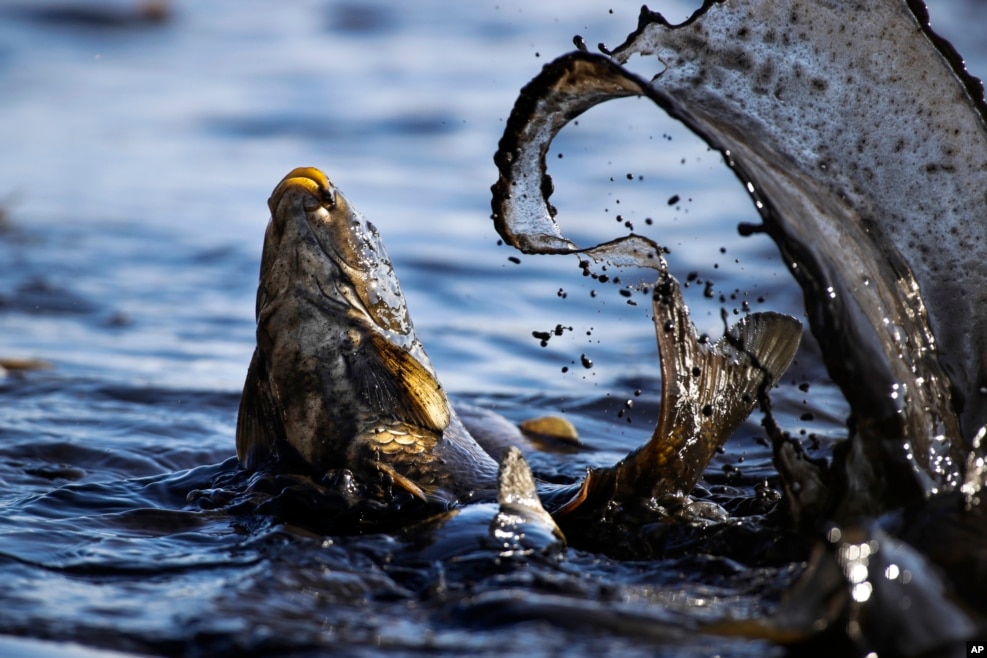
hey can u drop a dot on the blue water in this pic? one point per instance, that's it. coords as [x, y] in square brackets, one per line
[137, 159]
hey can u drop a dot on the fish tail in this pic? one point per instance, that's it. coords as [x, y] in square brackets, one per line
[708, 390]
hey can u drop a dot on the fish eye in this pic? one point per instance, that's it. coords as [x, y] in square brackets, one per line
[327, 196]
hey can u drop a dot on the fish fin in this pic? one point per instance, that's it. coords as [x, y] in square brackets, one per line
[258, 429]
[592, 490]
[515, 483]
[496, 434]
[707, 391]
[409, 392]
[546, 432]
[522, 521]
[402, 481]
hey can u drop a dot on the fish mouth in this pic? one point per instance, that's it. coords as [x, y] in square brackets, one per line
[309, 179]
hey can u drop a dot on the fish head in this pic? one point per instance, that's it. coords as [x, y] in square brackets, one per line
[318, 246]
[338, 374]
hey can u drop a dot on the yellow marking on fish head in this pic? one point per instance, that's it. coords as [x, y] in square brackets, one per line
[304, 179]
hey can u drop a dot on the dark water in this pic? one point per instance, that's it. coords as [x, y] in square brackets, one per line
[137, 160]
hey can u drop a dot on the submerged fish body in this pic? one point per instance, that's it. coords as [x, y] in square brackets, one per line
[339, 380]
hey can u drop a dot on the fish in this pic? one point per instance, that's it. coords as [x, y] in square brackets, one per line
[862, 141]
[879, 217]
[339, 381]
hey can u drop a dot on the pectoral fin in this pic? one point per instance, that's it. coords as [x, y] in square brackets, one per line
[401, 387]
[259, 429]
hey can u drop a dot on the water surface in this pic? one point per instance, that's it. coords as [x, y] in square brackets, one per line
[137, 161]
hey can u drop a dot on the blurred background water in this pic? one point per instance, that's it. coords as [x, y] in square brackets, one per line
[140, 143]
